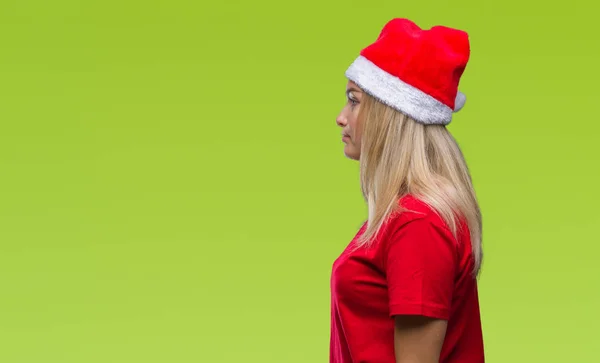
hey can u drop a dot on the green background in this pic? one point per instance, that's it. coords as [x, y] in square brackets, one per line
[174, 187]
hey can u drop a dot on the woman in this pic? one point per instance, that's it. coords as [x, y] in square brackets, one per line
[405, 288]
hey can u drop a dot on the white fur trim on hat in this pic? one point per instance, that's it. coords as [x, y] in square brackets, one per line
[399, 95]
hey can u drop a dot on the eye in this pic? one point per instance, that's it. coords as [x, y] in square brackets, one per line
[353, 102]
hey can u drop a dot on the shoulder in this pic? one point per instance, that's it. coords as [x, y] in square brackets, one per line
[416, 224]
[415, 212]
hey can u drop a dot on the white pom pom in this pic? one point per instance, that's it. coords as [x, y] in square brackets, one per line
[459, 102]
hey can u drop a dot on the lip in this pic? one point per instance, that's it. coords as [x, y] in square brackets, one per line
[345, 137]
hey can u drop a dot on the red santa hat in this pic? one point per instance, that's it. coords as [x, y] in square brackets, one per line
[415, 71]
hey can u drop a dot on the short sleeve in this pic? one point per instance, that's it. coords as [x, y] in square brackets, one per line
[421, 260]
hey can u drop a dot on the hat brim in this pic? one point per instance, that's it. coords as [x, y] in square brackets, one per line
[400, 95]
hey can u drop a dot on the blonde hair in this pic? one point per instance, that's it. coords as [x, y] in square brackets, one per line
[400, 156]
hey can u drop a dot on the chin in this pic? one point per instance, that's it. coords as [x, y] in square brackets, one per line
[351, 153]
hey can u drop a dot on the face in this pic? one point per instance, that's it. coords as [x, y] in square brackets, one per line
[348, 121]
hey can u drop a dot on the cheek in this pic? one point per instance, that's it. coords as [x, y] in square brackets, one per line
[354, 124]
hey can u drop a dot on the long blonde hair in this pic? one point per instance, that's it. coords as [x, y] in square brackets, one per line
[400, 156]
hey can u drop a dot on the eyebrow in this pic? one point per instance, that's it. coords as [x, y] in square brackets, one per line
[352, 89]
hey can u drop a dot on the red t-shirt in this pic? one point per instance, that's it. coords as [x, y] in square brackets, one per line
[415, 267]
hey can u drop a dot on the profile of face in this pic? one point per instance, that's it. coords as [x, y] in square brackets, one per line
[348, 121]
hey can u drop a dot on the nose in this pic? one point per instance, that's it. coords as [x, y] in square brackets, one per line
[340, 120]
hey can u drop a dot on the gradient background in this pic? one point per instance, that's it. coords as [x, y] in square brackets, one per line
[174, 188]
